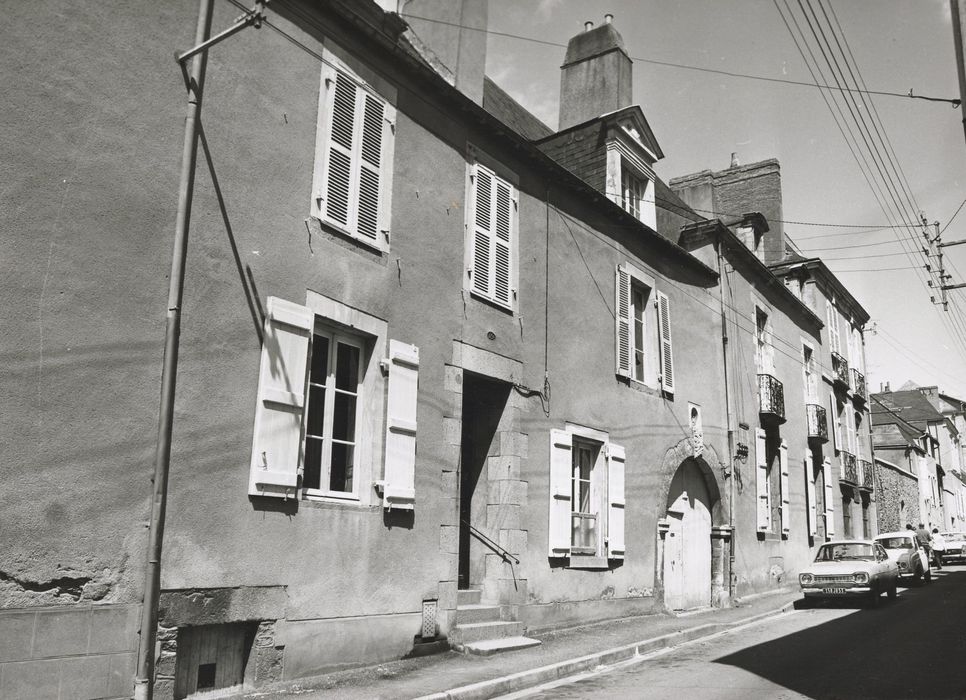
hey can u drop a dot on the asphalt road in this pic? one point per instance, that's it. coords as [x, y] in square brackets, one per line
[913, 647]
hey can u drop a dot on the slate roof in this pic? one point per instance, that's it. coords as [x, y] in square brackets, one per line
[911, 406]
[498, 103]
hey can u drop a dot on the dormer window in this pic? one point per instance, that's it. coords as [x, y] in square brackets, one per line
[630, 183]
[633, 190]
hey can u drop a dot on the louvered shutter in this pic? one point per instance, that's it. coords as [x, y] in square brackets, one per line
[561, 465]
[399, 489]
[832, 321]
[786, 511]
[615, 501]
[850, 442]
[481, 270]
[829, 497]
[761, 481]
[664, 328]
[277, 436]
[503, 209]
[337, 196]
[622, 315]
[836, 424]
[810, 492]
[370, 166]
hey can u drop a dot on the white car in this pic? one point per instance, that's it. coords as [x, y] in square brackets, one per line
[849, 569]
[903, 548]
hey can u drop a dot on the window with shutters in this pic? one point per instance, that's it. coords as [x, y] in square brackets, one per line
[764, 351]
[586, 497]
[321, 402]
[643, 330]
[630, 182]
[810, 373]
[351, 188]
[771, 455]
[491, 237]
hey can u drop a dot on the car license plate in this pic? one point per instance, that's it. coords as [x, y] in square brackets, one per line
[840, 591]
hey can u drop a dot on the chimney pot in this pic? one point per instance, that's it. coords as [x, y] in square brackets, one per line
[588, 25]
[608, 18]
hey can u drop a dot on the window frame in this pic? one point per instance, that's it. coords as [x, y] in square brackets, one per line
[366, 83]
[651, 349]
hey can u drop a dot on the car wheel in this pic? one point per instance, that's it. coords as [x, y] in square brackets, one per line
[894, 590]
[927, 577]
[874, 598]
[917, 578]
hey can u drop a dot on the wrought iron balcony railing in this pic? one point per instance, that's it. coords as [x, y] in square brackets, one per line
[858, 385]
[840, 369]
[850, 471]
[817, 422]
[771, 399]
[866, 477]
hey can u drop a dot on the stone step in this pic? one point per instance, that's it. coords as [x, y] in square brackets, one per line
[468, 596]
[478, 631]
[476, 612]
[495, 646]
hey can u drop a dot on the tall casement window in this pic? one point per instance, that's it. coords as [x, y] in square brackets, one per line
[321, 399]
[764, 354]
[810, 374]
[643, 330]
[847, 513]
[772, 482]
[491, 236]
[633, 192]
[586, 497]
[354, 150]
[832, 323]
[332, 414]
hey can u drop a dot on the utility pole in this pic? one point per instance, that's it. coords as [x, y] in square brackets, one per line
[959, 28]
[194, 82]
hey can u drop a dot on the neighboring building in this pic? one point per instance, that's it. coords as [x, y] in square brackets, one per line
[906, 431]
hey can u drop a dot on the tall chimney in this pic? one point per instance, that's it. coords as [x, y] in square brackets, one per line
[452, 37]
[595, 76]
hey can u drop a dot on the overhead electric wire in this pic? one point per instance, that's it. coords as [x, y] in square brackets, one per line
[955, 102]
[958, 209]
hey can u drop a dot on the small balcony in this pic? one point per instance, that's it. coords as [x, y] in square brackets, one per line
[771, 400]
[866, 478]
[817, 423]
[859, 390]
[840, 370]
[850, 470]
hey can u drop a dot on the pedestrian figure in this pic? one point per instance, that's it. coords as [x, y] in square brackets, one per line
[938, 547]
[925, 540]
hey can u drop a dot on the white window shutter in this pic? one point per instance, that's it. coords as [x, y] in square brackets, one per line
[834, 420]
[399, 482]
[504, 215]
[615, 501]
[340, 178]
[810, 487]
[664, 330]
[829, 497]
[761, 480]
[561, 461]
[385, 178]
[482, 225]
[785, 485]
[372, 131]
[850, 442]
[622, 314]
[277, 438]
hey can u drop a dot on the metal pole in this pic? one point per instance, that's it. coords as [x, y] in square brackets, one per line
[958, 18]
[143, 683]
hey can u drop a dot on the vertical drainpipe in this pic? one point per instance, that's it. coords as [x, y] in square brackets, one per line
[732, 459]
[143, 682]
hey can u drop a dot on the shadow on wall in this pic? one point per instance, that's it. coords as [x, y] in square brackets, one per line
[871, 654]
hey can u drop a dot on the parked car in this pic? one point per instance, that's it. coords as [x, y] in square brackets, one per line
[903, 548]
[955, 546]
[850, 569]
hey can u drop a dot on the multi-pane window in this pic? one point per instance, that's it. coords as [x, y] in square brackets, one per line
[633, 190]
[331, 415]
[492, 226]
[810, 374]
[585, 497]
[763, 347]
[353, 154]
[639, 298]
[643, 330]
[847, 514]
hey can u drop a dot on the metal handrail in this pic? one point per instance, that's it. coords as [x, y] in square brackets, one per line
[488, 541]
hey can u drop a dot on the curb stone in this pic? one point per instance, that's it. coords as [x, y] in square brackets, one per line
[484, 690]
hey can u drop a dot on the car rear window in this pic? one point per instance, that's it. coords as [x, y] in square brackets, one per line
[896, 542]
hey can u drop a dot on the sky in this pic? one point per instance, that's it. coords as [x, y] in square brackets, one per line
[701, 118]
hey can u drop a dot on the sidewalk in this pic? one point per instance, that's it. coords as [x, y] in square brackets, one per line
[564, 652]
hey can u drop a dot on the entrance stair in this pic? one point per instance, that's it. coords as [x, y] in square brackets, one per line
[482, 630]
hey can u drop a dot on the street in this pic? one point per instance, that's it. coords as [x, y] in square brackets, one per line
[912, 647]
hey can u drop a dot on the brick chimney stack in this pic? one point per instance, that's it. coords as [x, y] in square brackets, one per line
[596, 76]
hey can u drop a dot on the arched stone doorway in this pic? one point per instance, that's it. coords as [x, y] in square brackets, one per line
[693, 535]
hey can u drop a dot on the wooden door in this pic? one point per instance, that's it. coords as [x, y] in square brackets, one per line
[696, 526]
[210, 657]
[674, 562]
